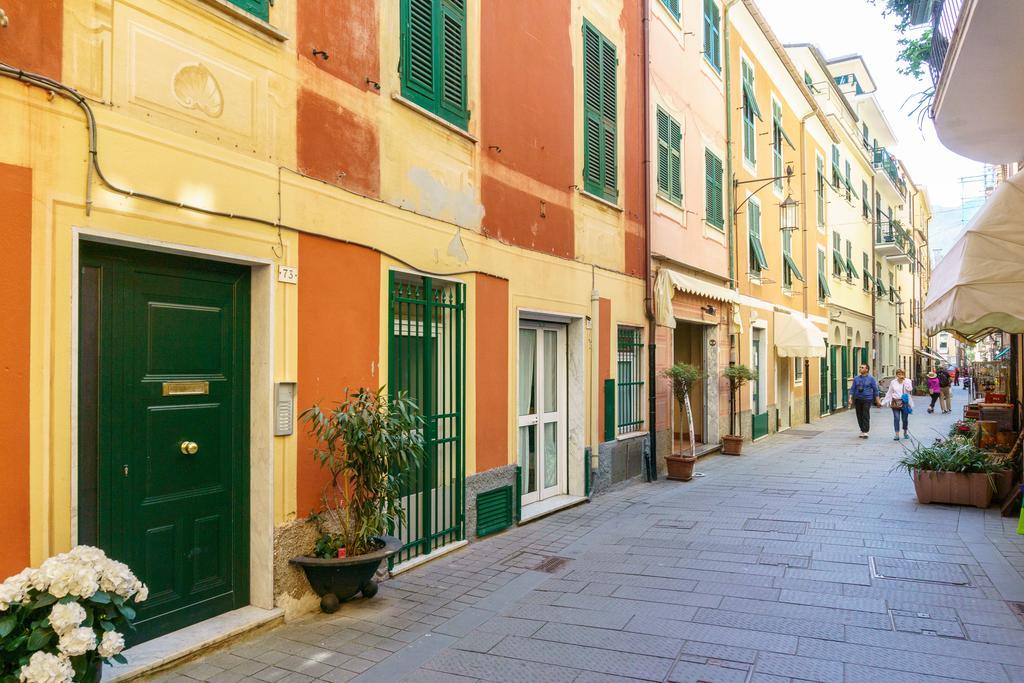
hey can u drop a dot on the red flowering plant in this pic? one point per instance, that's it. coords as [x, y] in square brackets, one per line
[963, 428]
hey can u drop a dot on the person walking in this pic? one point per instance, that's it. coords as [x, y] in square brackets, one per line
[933, 389]
[955, 373]
[899, 397]
[864, 393]
[944, 397]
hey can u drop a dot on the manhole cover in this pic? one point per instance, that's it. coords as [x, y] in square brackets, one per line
[794, 561]
[925, 624]
[918, 570]
[805, 433]
[781, 526]
[524, 559]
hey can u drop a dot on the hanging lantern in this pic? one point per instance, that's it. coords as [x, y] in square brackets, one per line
[788, 213]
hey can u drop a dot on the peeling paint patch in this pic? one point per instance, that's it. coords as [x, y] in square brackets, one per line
[439, 201]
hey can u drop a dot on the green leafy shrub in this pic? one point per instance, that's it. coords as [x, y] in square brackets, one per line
[683, 376]
[955, 454]
[367, 445]
[738, 375]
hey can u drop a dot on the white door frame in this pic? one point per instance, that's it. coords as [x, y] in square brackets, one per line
[541, 417]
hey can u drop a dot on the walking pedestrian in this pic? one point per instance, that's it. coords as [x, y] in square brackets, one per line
[864, 393]
[899, 398]
[933, 389]
[944, 398]
[955, 373]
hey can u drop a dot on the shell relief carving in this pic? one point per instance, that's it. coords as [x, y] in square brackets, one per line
[196, 88]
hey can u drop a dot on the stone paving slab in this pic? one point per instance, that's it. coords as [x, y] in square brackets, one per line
[758, 572]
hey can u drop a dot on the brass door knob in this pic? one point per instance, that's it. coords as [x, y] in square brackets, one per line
[189, 448]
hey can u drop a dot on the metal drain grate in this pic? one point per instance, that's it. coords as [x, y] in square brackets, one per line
[524, 559]
[919, 571]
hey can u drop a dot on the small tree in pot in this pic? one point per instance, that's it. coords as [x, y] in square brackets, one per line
[366, 444]
[738, 375]
[682, 376]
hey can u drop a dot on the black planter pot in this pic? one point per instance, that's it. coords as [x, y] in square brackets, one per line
[337, 580]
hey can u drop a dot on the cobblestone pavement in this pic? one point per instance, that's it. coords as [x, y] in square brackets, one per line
[804, 559]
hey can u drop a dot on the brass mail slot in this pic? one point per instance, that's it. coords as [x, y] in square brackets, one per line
[186, 388]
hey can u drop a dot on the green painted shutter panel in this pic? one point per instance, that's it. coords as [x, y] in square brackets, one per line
[708, 36]
[609, 111]
[257, 8]
[663, 152]
[675, 161]
[419, 75]
[672, 6]
[453, 60]
[494, 510]
[592, 110]
[713, 189]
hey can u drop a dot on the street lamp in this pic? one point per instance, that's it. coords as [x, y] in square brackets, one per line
[788, 213]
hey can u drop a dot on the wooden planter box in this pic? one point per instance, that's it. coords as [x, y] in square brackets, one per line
[953, 488]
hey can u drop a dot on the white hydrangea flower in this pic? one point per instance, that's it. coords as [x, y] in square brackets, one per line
[44, 667]
[116, 577]
[15, 589]
[86, 553]
[77, 641]
[112, 644]
[141, 592]
[66, 616]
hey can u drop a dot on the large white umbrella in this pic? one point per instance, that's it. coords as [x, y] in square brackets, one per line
[978, 286]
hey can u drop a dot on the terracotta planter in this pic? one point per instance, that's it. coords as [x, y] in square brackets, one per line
[732, 445]
[680, 467]
[1004, 483]
[953, 488]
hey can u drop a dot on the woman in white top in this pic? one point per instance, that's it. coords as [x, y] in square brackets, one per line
[900, 397]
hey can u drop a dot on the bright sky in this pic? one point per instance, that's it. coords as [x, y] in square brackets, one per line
[842, 27]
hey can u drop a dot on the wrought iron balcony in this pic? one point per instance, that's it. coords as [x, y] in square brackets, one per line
[884, 161]
[945, 15]
[893, 242]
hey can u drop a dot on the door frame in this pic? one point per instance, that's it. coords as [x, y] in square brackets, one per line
[560, 414]
[262, 370]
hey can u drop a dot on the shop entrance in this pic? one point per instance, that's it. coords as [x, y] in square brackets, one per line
[690, 342]
[543, 427]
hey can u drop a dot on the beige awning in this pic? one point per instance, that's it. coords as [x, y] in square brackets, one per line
[669, 282]
[797, 337]
[933, 356]
[977, 287]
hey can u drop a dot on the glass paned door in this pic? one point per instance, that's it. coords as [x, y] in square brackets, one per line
[758, 411]
[542, 433]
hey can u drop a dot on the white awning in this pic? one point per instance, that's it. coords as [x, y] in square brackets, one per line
[797, 337]
[933, 356]
[669, 282]
[977, 287]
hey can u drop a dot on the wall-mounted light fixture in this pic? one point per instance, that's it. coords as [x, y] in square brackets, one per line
[709, 309]
[788, 213]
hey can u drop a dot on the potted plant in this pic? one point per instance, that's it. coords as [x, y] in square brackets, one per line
[366, 444]
[953, 471]
[682, 376]
[62, 621]
[738, 375]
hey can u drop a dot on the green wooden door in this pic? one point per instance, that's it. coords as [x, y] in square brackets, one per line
[163, 405]
[833, 378]
[823, 405]
[758, 409]
[845, 382]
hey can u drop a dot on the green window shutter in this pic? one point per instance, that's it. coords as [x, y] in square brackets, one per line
[675, 161]
[713, 189]
[600, 108]
[663, 152]
[494, 510]
[791, 265]
[258, 8]
[823, 290]
[419, 77]
[836, 175]
[452, 62]
[672, 6]
[758, 262]
[867, 272]
[821, 191]
[712, 33]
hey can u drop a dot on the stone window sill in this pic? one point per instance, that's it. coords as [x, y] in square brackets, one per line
[600, 200]
[397, 97]
[239, 16]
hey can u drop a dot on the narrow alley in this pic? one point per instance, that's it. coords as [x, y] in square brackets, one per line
[805, 559]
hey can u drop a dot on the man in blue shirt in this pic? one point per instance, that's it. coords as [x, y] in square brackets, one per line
[864, 393]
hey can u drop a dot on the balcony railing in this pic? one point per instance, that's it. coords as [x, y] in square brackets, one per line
[944, 19]
[887, 162]
[892, 233]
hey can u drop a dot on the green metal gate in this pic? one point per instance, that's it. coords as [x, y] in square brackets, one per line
[823, 402]
[427, 359]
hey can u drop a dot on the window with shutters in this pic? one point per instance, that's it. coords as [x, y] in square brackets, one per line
[837, 177]
[820, 191]
[851, 270]
[433, 64]
[672, 6]
[777, 135]
[750, 111]
[789, 267]
[670, 182]
[713, 34]
[838, 265]
[758, 261]
[713, 190]
[258, 8]
[865, 200]
[867, 272]
[823, 290]
[600, 115]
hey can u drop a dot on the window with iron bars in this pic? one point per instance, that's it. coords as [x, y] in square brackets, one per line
[630, 380]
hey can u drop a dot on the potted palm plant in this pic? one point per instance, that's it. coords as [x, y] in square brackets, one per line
[682, 376]
[738, 375]
[366, 444]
